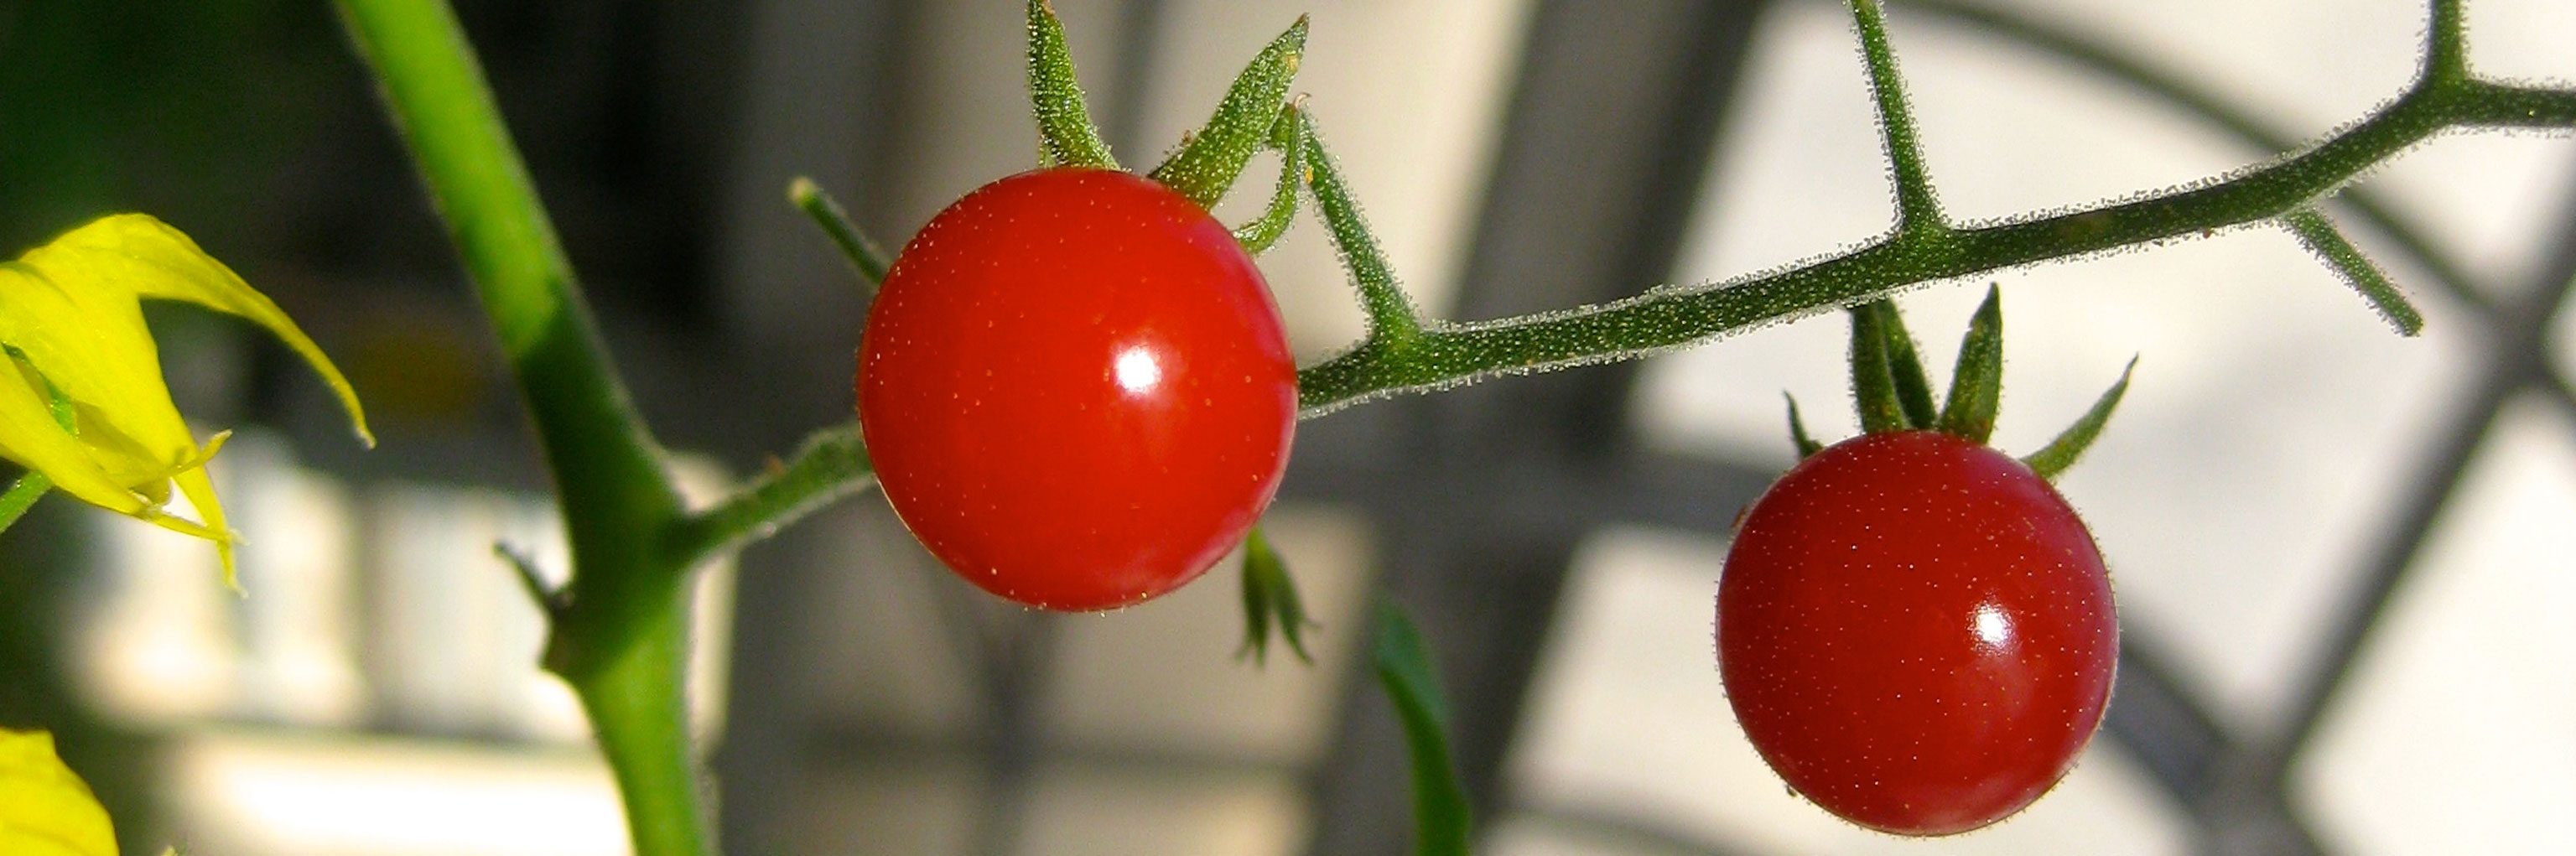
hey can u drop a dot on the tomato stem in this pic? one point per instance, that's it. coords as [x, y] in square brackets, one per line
[1445, 355]
[2321, 237]
[1916, 207]
[865, 257]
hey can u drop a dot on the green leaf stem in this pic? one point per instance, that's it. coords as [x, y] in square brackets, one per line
[1403, 665]
[1393, 326]
[1439, 356]
[2246, 124]
[1917, 209]
[866, 258]
[2321, 237]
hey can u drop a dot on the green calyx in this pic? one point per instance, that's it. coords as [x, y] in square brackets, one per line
[1270, 597]
[1891, 392]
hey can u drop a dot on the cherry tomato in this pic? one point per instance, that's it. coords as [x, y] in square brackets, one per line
[1075, 389]
[1916, 632]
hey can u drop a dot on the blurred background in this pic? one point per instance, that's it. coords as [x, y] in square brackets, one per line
[2342, 557]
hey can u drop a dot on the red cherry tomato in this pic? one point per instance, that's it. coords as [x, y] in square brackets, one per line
[1075, 389]
[1916, 632]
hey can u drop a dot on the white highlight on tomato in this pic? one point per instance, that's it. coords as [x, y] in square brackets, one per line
[1994, 629]
[1136, 370]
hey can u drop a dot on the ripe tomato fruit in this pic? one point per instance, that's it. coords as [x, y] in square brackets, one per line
[1916, 632]
[1075, 389]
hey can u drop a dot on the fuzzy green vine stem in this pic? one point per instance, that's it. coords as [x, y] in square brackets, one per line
[1918, 211]
[2322, 238]
[1394, 327]
[866, 259]
[2208, 106]
[833, 463]
[1448, 354]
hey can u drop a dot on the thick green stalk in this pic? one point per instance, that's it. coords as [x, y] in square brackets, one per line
[637, 689]
[615, 636]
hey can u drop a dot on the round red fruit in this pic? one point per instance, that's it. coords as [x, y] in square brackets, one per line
[1075, 389]
[1916, 632]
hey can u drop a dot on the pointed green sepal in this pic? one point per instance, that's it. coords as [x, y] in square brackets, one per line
[1976, 385]
[1798, 430]
[1905, 367]
[1881, 353]
[1403, 665]
[2322, 238]
[1066, 136]
[2062, 452]
[1270, 593]
[865, 257]
[1208, 161]
[1258, 235]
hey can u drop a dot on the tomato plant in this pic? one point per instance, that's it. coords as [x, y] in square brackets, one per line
[1075, 389]
[1916, 632]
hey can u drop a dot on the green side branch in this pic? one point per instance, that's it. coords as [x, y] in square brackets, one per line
[2321, 237]
[831, 464]
[1917, 209]
[1442, 355]
[1393, 324]
[2205, 103]
[866, 259]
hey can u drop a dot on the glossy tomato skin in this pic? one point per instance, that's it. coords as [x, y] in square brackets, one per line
[1075, 389]
[1916, 632]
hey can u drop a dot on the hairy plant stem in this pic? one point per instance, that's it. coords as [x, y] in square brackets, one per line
[1442, 355]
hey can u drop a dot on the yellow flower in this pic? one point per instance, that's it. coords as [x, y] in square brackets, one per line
[71, 321]
[45, 809]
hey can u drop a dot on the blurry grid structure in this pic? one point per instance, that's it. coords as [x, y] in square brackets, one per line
[1499, 514]
[1481, 502]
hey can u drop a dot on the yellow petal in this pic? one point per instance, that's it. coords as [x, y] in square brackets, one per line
[45, 809]
[86, 335]
[151, 259]
[31, 438]
[201, 493]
